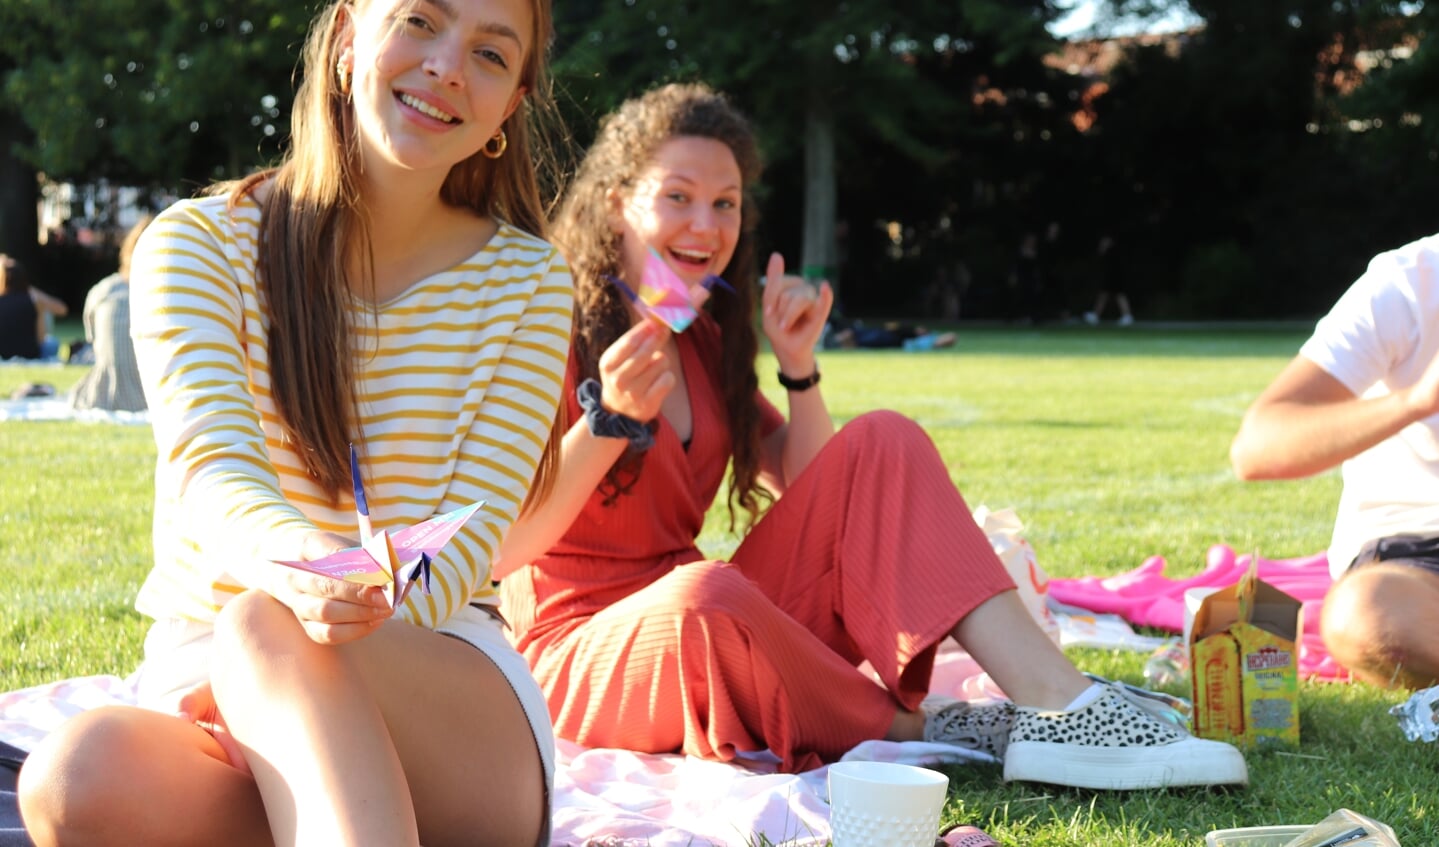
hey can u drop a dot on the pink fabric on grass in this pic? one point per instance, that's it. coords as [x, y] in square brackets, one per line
[1146, 597]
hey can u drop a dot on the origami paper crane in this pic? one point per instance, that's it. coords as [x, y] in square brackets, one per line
[662, 295]
[400, 560]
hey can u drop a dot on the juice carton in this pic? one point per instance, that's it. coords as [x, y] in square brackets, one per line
[1244, 657]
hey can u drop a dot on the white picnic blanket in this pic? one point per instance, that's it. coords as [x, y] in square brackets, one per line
[57, 408]
[615, 798]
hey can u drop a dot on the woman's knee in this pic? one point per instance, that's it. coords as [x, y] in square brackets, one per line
[714, 589]
[886, 426]
[890, 435]
[248, 615]
[68, 787]
[251, 632]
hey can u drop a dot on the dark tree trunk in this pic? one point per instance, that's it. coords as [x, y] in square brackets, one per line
[19, 193]
[819, 179]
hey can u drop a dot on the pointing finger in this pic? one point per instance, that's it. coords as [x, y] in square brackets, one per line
[774, 274]
[775, 269]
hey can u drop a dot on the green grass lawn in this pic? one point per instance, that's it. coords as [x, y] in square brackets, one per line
[1111, 444]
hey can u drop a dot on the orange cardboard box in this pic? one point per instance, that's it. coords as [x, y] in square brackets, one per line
[1244, 657]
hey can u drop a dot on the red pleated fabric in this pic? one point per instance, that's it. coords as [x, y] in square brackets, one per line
[642, 644]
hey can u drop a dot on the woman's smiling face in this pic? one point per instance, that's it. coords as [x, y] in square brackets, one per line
[433, 80]
[686, 206]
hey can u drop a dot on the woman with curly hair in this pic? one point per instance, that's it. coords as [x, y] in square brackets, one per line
[865, 550]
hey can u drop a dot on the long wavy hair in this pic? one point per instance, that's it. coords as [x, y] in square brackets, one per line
[313, 222]
[627, 141]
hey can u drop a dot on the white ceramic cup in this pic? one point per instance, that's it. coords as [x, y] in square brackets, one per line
[882, 804]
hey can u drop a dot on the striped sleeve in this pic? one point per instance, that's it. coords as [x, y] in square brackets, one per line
[502, 447]
[190, 316]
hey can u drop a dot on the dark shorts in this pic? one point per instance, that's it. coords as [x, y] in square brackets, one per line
[1416, 551]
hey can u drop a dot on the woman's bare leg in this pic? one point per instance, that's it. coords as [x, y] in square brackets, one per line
[124, 776]
[401, 737]
[1004, 639]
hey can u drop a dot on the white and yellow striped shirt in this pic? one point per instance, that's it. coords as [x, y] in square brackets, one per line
[458, 381]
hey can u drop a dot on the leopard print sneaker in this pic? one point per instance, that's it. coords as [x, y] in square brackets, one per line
[983, 727]
[1113, 744]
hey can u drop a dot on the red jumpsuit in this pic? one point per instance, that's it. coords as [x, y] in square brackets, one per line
[641, 643]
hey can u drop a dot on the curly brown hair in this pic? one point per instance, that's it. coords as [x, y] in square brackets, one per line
[627, 141]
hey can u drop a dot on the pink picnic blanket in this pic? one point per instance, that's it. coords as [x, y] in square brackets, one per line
[1146, 597]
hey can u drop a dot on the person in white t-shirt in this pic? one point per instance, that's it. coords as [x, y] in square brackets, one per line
[1364, 392]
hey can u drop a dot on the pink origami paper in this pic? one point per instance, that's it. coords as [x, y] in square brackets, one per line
[662, 295]
[400, 560]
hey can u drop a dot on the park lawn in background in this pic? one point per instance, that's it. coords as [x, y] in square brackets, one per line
[75, 509]
[1111, 444]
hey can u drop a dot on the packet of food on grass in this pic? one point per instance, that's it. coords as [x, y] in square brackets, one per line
[1345, 828]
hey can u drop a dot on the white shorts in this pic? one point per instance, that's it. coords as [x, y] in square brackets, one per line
[177, 658]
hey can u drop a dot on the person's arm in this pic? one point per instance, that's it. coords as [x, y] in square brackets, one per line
[1307, 421]
[634, 381]
[186, 322]
[502, 448]
[48, 304]
[1320, 410]
[794, 317]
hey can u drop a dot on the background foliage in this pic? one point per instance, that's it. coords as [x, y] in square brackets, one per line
[1248, 167]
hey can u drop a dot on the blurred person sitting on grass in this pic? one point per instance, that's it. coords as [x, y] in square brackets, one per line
[26, 314]
[113, 382]
[851, 334]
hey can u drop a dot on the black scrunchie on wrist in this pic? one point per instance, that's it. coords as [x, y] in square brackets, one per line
[606, 424]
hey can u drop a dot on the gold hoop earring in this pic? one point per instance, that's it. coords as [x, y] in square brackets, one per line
[495, 147]
[344, 75]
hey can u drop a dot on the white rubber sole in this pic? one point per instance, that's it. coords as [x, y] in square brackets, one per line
[1189, 762]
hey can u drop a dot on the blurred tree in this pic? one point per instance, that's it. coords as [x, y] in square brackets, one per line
[147, 92]
[155, 90]
[1235, 162]
[851, 89]
[1401, 92]
[19, 190]
[926, 231]
[19, 186]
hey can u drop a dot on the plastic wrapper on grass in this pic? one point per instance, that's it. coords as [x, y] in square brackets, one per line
[1419, 715]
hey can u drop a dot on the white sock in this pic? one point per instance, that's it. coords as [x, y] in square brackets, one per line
[1087, 696]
